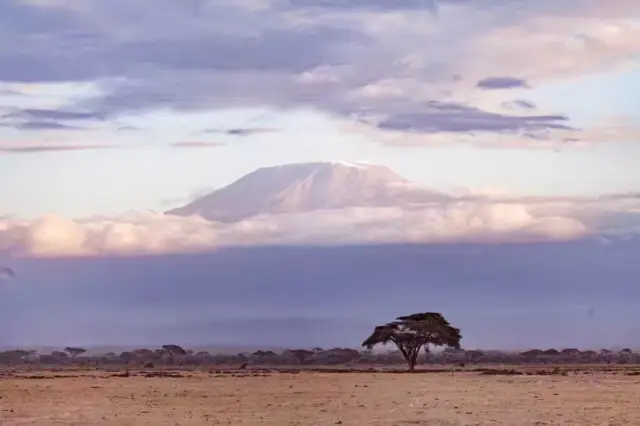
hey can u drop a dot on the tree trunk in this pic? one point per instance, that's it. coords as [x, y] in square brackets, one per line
[412, 364]
[408, 356]
[412, 358]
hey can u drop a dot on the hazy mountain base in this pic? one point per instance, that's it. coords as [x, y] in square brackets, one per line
[576, 294]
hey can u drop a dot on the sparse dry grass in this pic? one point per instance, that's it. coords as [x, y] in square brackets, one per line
[585, 397]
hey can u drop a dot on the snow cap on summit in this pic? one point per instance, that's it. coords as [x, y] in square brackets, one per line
[300, 187]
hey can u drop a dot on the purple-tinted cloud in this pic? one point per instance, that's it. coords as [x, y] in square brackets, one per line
[50, 148]
[381, 5]
[197, 144]
[42, 125]
[47, 119]
[9, 92]
[451, 117]
[51, 114]
[328, 55]
[519, 104]
[498, 83]
[128, 128]
[75, 50]
[241, 131]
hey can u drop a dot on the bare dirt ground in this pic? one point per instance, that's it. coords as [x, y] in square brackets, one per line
[584, 397]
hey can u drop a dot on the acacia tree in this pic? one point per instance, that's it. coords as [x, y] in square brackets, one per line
[414, 332]
[173, 351]
[74, 352]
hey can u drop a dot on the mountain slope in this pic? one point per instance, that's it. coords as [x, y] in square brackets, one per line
[301, 187]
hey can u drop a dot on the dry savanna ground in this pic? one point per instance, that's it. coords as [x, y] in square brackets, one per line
[585, 396]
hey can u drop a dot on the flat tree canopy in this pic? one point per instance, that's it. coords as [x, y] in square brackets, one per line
[74, 352]
[412, 332]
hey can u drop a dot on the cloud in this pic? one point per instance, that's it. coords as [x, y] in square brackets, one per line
[437, 117]
[372, 5]
[497, 83]
[34, 149]
[128, 128]
[242, 131]
[518, 104]
[197, 144]
[348, 60]
[9, 92]
[41, 125]
[153, 233]
[50, 114]
[46, 119]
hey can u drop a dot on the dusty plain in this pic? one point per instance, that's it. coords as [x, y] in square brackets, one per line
[572, 396]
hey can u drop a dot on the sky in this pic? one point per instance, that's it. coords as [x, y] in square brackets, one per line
[107, 119]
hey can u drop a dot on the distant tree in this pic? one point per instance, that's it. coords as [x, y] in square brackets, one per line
[31, 355]
[59, 355]
[74, 352]
[301, 354]
[606, 355]
[532, 353]
[126, 357]
[453, 355]
[173, 351]
[626, 351]
[474, 355]
[414, 332]
[13, 356]
[551, 352]
[144, 353]
[570, 353]
[261, 353]
[263, 357]
[337, 356]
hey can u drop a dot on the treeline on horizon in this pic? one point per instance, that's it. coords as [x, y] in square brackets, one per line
[316, 356]
[414, 336]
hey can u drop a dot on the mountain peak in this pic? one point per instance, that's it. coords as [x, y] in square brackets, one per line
[299, 187]
[361, 165]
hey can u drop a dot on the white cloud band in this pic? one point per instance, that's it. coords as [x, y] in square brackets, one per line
[153, 233]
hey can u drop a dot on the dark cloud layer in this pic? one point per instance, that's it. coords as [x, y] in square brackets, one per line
[248, 131]
[50, 114]
[497, 83]
[51, 148]
[519, 104]
[47, 119]
[501, 296]
[41, 125]
[450, 117]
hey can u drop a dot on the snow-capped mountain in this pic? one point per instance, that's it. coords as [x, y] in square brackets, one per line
[301, 187]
